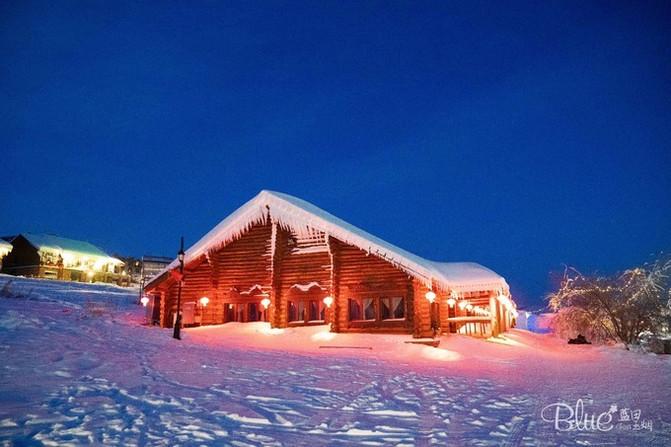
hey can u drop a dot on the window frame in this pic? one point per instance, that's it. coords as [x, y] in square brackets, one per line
[306, 302]
[393, 318]
[378, 321]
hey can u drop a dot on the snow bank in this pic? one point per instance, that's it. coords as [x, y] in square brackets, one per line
[68, 380]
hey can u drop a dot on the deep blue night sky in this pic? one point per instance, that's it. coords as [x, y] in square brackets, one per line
[521, 137]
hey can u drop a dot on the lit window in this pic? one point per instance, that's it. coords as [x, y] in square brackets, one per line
[253, 313]
[314, 311]
[354, 310]
[293, 311]
[301, 311]
[305, 311]
[362, 309]
[392, 308]
[368, 308]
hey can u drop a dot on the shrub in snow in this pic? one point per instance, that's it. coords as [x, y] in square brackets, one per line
[657, 343]
[616, 308]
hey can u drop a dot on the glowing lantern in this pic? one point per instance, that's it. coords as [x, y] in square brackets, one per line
[144, 300]
[204, 301]
[463, 304]
[328, 301]
[90, 274]
[469, 307]
[265, 303]
[430, 296]
[451, 302]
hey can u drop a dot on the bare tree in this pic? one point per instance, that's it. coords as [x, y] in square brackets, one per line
[616, 308]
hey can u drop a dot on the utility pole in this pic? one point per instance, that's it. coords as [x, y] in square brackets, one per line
[178, 318]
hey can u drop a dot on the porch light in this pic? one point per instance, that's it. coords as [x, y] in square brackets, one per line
[328, 301]
[469, 307]
[204, 300]
[90, 274]
[463, 304]
[265, 303]
[451, 302]
[144, 300]
[430, 296]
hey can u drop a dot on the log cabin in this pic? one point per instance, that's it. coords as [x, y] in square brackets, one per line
[283, 260]
[42, 255]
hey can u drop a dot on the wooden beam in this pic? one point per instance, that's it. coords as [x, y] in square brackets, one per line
[334, 262]
[277, 309]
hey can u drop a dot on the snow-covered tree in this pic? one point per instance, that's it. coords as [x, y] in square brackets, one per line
[616, 308]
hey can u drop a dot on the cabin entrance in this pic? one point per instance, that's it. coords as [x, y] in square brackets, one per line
[305, 304]
[306, 311]
[244, 312]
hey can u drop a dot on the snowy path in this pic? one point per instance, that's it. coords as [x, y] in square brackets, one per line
[69, 378]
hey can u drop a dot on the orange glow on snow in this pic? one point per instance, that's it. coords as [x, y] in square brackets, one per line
[323, 336]
[443, 355]
[503, 340]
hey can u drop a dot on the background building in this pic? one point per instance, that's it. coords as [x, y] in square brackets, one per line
[48, 256]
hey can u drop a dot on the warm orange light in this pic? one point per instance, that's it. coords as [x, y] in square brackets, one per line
[265, 303]
[451, 302]
[204, 301]
[144, 300]
[431, 296]
[328, 301]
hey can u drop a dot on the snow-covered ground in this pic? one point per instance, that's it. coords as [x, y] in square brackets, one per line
[75, 371]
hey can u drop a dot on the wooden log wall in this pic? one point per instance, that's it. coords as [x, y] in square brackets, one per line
[421, 311]
[334, 281]
[241, 265]
[278, 307]
[196, 284]
[363, 275]
[305, 260]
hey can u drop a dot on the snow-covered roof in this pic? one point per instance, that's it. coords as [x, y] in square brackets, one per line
[468, 276]
[44, 241]
[304, 218]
